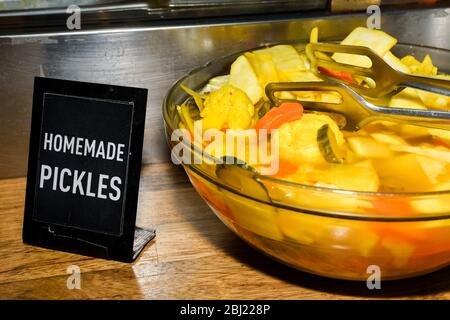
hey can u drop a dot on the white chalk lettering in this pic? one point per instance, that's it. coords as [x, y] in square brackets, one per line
[46, 174]
[68, 144]
[115, 188]
[110, 151]
[89, 148]
[48, 139]
[84, 147]
[57, 143]
[120, 152]
[81, 182]
[79, 146]
[101, 186]
[89, 193]
[55, 178]
[101, 150]
[77, 182]
[61, 180]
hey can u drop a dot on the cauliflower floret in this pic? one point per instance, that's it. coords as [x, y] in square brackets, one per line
[228, 107]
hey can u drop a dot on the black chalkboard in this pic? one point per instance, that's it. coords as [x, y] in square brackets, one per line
[83, 168]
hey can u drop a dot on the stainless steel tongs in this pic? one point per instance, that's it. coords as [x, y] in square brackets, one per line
[356, 109]
[386, 78]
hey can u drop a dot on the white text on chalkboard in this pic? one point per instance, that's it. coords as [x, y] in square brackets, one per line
[81, 182]
[84, 147]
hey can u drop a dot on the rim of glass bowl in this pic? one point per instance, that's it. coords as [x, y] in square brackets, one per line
[347, 215]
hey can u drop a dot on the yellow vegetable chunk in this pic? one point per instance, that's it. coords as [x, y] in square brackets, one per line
[403, 173]
[360, 176]
[325, 232]
[243, 76]
[245, 148]
[407, 98]
[298, 139]
[395, 62]
[304, 229]
[330, 97]
[441, 134]
[309, 76]
[305, 60]
[314, 35]
[369, 148]
[216, 83]
[406, 131]
[301, 76]
[286, 59]
[434, 101]
[304, 198]
[377, 40]
[412, 63]
[314, 38]
[388, 138]
[399, 249]
[254, 216]
[228, 107]
[443, 186]
[264, 68]
[439, 153]
[432, 205]
[427, 67]
[433, 168]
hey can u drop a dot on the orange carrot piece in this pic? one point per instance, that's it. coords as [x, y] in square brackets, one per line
[285, 168]
[396, 206]
[440, 142]
[345, 76]
[274, 118]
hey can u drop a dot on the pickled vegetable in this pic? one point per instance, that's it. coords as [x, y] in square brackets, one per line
[328, 145]
[228, 107]
[242, 76]
[377, 40]
[312, 140]
[314, 151]
[242, 177]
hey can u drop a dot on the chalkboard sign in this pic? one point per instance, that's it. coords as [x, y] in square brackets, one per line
[83, 169]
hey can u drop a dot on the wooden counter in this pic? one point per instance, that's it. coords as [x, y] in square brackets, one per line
[194, 256]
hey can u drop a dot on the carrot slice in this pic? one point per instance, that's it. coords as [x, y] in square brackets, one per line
[285, 168]
[440, 142]
[397, 206]
[345, 76]
[274, 118]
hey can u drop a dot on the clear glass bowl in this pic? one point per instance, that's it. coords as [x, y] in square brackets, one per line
[335, 233]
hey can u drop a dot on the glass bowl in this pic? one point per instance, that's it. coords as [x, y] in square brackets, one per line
[335, 233]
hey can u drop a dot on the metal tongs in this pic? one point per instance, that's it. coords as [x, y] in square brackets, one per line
[386, 78]
[357, 110]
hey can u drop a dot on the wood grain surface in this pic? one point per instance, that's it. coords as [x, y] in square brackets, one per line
[194, 256]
